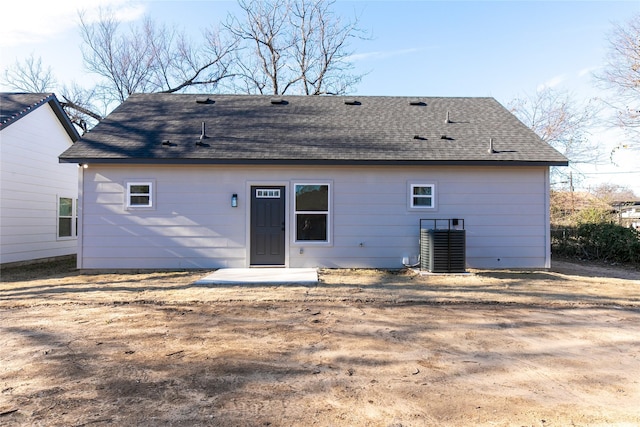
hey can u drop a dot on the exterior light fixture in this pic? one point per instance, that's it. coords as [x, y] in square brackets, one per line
[234, 201]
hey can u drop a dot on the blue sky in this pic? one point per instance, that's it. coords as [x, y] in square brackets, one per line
[502, 49]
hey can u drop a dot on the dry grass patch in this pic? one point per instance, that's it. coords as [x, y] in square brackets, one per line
[362, 348]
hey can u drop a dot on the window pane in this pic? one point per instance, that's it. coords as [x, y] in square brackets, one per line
[422, 191]
[139, 189]
[66, 206]
[64, 227]
[312, 197]
[422, 201]
[139, 200]
[311, 227]
[267, 193]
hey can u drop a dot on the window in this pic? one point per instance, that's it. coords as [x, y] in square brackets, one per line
[139, 195]
[422, 196]
[312, 212]
[67, 217]
[267, 193]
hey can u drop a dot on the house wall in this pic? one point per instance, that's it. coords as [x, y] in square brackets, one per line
[192, 224]
[31, 179]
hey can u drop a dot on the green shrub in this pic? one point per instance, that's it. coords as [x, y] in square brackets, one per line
[603, 241]
[593, 215]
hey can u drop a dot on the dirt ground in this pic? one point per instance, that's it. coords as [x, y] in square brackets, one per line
[362, 348]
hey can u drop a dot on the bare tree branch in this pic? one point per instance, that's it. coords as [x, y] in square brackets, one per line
[557, 119]
[277, 46]
[206, 66]
[321, 50]
[82, 106]
[293, 45]
[152, 58]
[621, 76]
[268, 41]
[30, 76]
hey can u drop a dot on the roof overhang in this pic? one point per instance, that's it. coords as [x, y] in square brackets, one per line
[308, 162]
[64, 119]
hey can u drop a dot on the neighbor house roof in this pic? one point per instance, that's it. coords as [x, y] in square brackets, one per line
[14, 106]
[258, 129]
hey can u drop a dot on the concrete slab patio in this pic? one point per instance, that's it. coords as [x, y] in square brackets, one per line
[280, 276]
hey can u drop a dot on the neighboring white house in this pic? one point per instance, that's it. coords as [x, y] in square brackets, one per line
[184, 181]
[37, 194]
[628, 213]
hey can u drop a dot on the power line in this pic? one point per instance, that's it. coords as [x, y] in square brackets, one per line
[611, 173]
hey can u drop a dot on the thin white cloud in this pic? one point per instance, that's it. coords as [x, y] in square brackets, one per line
[552, 82]
[587, 71]
[26, 22]
[379, 55]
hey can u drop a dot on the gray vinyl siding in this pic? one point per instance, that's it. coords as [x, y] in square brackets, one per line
[192, 223]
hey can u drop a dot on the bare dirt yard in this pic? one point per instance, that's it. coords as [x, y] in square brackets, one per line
[362, 348]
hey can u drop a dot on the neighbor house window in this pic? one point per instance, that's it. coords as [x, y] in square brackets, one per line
[139, 194]
[67, 217]
[422, 196]
[312, 212]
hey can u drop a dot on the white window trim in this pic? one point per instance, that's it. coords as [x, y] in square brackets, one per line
[413, 185]
[74, 218]
[152, 189]
[294, 222]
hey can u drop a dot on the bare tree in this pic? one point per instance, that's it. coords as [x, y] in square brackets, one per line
[293, 46]
[83, 106]
[622, 76]
[30, 76]
[125, 63]
[280, 46]
[151, 58]
[145, 58]
[263, 62]
[321, 48]
[611, 193]
[555, 117]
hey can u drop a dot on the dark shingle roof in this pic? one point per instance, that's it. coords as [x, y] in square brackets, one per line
[310, 130]
[14, 106]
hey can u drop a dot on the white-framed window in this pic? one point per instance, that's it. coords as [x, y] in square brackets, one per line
[312, 212]
[422, 196]
[67, 217]
[139, 194]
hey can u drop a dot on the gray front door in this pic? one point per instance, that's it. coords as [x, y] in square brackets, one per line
[267, 225]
